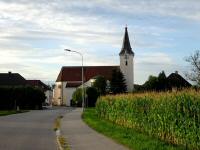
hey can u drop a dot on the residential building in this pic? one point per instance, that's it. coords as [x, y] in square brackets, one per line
[15, 79]
[12, 79]
[176, 81]
[46, 89]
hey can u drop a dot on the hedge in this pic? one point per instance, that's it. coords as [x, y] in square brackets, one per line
[23, 97]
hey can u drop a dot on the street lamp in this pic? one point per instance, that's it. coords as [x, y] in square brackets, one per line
[68, 50]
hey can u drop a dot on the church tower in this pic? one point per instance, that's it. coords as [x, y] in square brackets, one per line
[126, 62]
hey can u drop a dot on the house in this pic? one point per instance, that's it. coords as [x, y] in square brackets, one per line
[12, 79]
[46, 89]
[70, 77]
[176, 81]
[15, 79]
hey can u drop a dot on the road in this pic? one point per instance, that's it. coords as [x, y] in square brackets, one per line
[30, 131]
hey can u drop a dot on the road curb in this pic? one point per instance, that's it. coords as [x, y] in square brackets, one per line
[57, 139]
[61, 140]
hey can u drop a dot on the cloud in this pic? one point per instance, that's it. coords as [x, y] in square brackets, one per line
[156, 58]
[34, 33]
[153, 63]
[175, 8]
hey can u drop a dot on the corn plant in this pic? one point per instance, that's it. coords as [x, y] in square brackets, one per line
[173, 117]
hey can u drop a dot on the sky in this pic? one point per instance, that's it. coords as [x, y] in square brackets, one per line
[34, 34]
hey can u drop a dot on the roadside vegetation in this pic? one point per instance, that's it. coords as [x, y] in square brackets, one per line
[161, 114]
[10, 112]
[21, 97]
[172, 117]
[127, 136]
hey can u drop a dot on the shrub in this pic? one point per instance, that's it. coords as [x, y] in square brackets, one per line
[77, 97]
[92, 96]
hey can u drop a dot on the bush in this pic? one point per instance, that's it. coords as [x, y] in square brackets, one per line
[77, 97]
[92, 96]
[24, 97]
[171, 117]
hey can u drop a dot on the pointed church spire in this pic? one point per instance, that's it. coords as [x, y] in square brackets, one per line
[126, 46]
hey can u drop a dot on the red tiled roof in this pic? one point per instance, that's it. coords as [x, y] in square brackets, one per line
[37, 83]
[74, 73]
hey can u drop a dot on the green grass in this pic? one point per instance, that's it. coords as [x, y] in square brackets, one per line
[128, 137]
[10, 112]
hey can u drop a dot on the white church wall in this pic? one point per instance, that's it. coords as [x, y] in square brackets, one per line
[63, 96]
[57, 93]
[67, 95]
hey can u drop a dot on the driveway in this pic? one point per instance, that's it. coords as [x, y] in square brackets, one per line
[30, 131]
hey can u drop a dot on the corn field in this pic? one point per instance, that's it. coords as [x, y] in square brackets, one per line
[173, 117]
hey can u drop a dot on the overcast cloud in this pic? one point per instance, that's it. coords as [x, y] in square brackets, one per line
[34, 34]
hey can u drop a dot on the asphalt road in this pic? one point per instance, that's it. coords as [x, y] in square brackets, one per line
[30, 131]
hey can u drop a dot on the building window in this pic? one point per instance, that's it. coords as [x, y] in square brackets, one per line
[126, 63]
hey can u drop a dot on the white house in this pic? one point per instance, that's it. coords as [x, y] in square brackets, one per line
[70, 77]
[49, 97]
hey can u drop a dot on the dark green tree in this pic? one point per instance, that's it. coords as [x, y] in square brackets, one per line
[162, 81]
[118, 82]
[151, 83]
[100, 85]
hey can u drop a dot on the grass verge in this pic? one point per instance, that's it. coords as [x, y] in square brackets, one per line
[128, 137]
[61, 140]
[10, 112]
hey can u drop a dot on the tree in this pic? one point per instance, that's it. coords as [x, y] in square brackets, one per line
[194, 73]
[151, 83]
[100, 85]
[162, 81]
[118, 82]
[156, 83]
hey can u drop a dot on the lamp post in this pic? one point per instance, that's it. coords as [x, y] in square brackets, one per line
[68, 50]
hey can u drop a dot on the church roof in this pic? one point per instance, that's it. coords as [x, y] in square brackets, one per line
[126, 46]
[72, 74]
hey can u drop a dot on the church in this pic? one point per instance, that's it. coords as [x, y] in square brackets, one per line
[70, 77]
